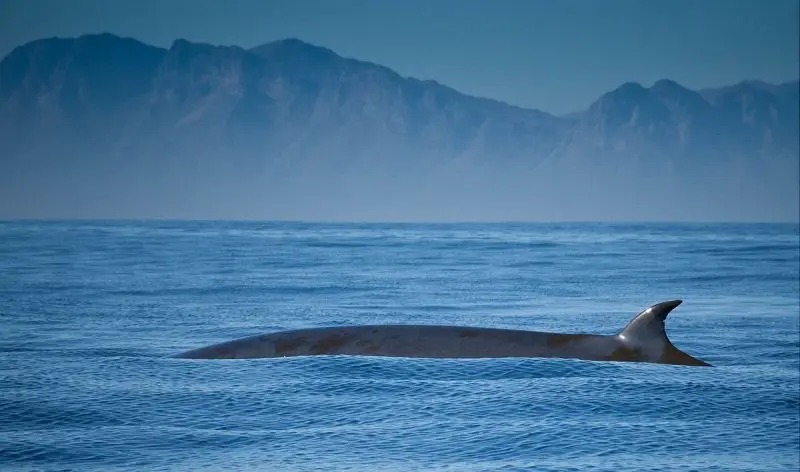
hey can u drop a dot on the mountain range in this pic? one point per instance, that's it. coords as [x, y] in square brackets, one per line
[102, 126]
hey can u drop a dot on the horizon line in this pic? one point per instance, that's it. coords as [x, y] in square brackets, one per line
[387, 222]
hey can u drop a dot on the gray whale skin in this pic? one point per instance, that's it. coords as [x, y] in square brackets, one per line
[642, 340]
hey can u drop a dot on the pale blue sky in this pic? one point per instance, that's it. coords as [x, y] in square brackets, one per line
[557, 56]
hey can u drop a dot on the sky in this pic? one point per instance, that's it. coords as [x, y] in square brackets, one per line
[555, 56]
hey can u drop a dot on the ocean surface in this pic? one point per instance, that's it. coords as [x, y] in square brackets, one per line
[90, 313]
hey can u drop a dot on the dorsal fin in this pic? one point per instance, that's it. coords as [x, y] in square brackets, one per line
[650, 322]
[646, 332]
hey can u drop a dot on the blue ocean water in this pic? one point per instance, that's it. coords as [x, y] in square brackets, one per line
[91, 311]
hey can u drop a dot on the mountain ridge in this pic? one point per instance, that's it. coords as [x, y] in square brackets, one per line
[208, 116]
[791, 84]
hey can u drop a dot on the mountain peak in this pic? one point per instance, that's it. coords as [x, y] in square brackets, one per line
[186, 45]
[627, 94]
[283, 48]
[87, 42]
[292, 42]
[103, 38]
[666, 85]
[630, 87]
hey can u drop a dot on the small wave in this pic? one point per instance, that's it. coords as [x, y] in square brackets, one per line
[754, 249]
[238, 290]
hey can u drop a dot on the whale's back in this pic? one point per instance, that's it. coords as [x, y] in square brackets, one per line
[405, 341]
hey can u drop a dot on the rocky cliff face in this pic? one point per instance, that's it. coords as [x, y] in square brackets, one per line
[106, 126]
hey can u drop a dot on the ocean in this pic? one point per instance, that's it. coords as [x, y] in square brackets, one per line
[92, 311]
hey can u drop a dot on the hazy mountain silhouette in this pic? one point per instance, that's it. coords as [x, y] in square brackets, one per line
[102, 126]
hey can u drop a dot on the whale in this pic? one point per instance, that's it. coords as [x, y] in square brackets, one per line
[644, 339]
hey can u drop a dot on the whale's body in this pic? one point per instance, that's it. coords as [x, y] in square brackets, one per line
[643, 340]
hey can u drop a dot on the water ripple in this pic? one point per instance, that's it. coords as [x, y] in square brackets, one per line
[91, 311]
